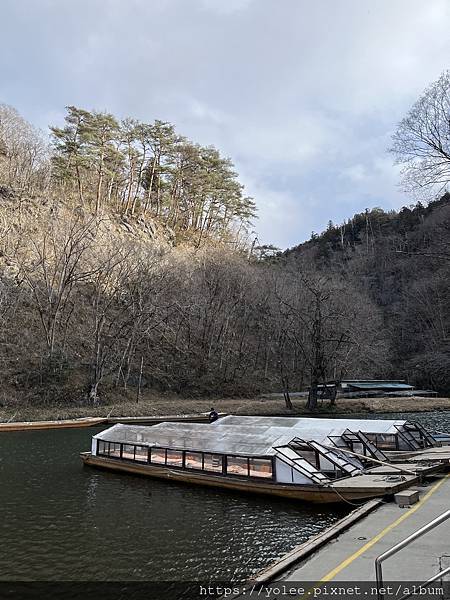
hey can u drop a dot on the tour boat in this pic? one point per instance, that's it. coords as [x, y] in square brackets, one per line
[316, 460]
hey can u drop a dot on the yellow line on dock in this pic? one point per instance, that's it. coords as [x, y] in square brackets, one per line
[382, 533]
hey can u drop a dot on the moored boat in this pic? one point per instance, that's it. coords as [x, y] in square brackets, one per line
[59, 424]
[286, 457]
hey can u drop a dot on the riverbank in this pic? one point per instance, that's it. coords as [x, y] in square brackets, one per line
[154, 405]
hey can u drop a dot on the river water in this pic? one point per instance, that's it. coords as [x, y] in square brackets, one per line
[60, 520]
[63, 521]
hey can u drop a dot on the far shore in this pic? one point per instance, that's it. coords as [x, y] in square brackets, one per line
[152, 406]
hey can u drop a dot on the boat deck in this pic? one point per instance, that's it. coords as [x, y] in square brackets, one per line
[419, 469]
[439, 454]
[377, 482]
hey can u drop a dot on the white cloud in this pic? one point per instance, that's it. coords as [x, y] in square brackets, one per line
[202, 111]
[228, 7]
[283, 214]
[356, 173]
[302, 95]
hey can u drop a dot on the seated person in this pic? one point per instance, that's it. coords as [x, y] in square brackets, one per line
[213, 416]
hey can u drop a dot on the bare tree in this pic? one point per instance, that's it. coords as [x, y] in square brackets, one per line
[334, 332]
[24, 155]
[421, 144]
[52, 263]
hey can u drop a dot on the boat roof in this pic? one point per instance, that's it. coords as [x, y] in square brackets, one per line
[252, 436]
[313, 423]
[388, 385]
[196, 436]
[310, 428]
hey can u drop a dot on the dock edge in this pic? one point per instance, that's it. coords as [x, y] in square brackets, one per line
[310, 546]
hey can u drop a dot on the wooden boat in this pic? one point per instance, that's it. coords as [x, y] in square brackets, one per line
[94, 421]
[265, 457]
[439, 455]
[60, 424]
[191, 418]
[364, 487]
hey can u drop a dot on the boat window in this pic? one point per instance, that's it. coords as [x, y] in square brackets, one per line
[212, 462]
[260, 467]
[158, 455]
[114, 449]
[382, 441]
[128, 452]
[175, 458]
[237, 465]
[193, 460]
[102, 447]
[141, 454]
[386, 441]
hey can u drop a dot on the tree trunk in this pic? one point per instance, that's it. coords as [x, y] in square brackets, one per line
[333, 396]
[287, 397]
[140, 380]
[80, 185]
[312, 397]
[93, 395]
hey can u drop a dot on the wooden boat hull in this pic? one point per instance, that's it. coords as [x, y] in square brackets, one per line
[337, 492]
[94, 421]
[62, 424]
[202, 418]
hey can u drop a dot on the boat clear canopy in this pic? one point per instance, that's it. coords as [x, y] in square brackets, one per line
[248, 436]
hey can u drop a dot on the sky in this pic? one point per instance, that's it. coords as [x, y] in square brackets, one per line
[303, 96]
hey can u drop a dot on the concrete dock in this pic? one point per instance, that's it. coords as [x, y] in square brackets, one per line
[347, 556]
[351, 556]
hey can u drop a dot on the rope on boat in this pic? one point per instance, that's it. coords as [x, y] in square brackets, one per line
[345, 499]
[387, 478]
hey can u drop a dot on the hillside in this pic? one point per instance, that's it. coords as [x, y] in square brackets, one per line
[126, 275]
[402, 261]
[366, 229]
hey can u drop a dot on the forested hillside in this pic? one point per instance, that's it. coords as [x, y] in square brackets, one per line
[401, 260]
[126, 265]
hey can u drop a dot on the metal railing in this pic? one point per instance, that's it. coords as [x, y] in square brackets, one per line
[414, 536]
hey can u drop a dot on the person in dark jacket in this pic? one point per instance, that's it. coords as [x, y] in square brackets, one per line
[213, 415]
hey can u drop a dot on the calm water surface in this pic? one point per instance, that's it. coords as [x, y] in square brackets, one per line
[433, 421]
[60, 520]
[63, 521]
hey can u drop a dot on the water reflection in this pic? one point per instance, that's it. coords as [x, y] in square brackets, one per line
[63, 521]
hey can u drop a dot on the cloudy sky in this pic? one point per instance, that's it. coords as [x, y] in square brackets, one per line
[302, 95]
